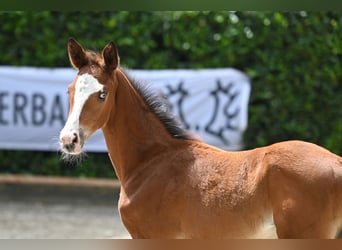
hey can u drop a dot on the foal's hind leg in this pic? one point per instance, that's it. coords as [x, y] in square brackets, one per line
[301, 209]
[293, 223]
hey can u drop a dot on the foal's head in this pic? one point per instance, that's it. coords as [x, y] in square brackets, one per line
[91, 94]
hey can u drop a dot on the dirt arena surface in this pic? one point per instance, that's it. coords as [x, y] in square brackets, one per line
[59, 208]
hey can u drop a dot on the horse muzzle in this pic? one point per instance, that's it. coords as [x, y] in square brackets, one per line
[71, 142]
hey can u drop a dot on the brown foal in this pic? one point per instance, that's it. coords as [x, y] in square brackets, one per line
[175, 186]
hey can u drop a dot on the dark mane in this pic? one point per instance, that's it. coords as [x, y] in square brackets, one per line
[159, 105]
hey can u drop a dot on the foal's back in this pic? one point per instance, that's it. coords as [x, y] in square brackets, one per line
[295, 183]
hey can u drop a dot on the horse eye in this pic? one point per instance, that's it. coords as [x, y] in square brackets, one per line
[102, 95]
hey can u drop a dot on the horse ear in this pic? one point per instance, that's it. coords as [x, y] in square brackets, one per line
[111, 56]
[77, 55]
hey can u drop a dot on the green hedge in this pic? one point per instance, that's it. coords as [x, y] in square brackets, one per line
[293, 60]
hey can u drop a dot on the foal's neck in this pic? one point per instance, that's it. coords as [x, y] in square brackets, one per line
[133, 133]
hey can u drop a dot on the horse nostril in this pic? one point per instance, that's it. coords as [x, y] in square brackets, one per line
[69, 147]
[75, 139]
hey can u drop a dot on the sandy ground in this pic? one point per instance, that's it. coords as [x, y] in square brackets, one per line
[41, 209]
[63, 208]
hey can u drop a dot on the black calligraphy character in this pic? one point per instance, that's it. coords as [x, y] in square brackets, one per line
[181, 93]
[224, 98]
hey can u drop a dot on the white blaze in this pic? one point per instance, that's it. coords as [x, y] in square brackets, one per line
[85, 86]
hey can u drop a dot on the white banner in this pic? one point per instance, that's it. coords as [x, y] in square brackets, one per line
[34, 105]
